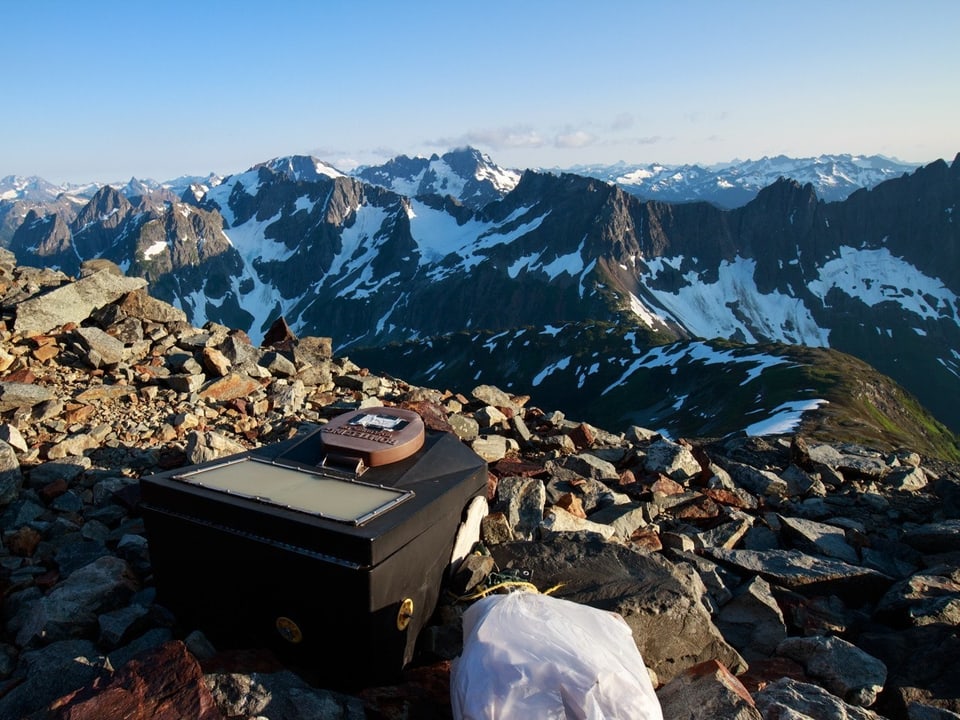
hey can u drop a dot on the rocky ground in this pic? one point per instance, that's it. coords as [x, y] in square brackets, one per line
[767, 578]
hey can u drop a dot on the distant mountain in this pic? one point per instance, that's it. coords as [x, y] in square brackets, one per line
[301, 168]
[33, 189]
[467, 175]
[876, 276]
[833, 177]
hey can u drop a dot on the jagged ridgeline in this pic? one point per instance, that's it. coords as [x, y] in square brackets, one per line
[583, 286]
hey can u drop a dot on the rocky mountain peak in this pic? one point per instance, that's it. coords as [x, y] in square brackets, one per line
[787, 193]
[465, 174]
[301, 168]
[33, 188]
[107, 208]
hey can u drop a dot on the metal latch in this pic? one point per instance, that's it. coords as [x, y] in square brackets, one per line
[345, 465]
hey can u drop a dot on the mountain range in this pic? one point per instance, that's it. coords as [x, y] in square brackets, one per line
[697, 317]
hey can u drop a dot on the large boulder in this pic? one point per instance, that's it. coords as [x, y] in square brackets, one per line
[165, 683]
[73, 302]
[664, 604]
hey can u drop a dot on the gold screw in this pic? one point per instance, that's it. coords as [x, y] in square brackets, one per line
[405, 615]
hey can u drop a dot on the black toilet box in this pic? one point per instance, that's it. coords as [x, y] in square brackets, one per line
[330, 548]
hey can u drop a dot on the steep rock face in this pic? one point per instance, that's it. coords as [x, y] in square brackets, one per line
[914, 217]
[94, 229]
[13, 214]
[185, 256]
[48, 239]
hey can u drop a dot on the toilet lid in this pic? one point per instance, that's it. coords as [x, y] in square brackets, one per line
[376, 435]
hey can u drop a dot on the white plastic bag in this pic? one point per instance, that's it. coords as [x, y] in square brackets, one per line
[534, 657]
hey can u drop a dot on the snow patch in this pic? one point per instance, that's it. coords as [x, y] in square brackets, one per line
[647, 317]
[562, 364]
[784, 419]
[571, 263]
[734, 306]
[876, 276]
[671, 355]
[158, 247]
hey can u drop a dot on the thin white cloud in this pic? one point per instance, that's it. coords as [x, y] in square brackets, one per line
[501, 138]
[648, 140]
[574, 139]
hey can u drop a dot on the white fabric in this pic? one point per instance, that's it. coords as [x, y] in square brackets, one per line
[533, 656]
[469, 531]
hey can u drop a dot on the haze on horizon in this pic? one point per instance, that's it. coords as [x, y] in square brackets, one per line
[111, 90]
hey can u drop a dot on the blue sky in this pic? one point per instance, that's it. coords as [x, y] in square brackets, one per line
[107, 90]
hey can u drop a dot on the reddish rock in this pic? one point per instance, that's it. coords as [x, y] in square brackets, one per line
[665, 486]
[707, 690]
[140, 305]
[513, 467]
[492, 482]
[702, 508]
[433, 414]
[646, 539]
[240, 405]
[582, 436]
[146, 373]
[105, 392]
[23, 541]
[508, 412]
[53, 490]
[520, 401]
[47, 580]
[725, 497]
[230, 387]
[243, 660]
[627, 478]
[279, 336]
[165, 683]
[21, 376]
[572, 504]
[46, 352]
[701, 457]
[215, 362]
[77, 413]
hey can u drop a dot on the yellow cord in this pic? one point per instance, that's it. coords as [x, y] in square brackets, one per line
[509, 583]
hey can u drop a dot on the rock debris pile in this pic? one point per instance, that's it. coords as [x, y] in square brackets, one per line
[761, 578]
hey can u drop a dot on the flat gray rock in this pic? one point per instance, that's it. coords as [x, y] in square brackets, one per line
[935, 537]
[799, 571]
[816, 537]
[73, 302]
